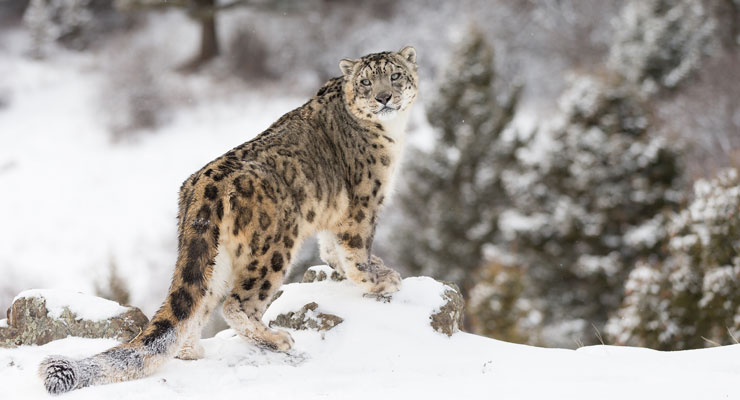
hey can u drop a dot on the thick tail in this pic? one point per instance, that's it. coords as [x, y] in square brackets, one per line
[133, 360]
[182, 312]
[180, 316]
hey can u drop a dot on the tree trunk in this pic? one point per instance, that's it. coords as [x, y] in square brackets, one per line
[205, 14]
[735, 21]
[208, 37]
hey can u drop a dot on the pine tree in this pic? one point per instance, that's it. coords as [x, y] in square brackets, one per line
[660, 42]
[588, 202]
[692, 299]
[592, 197]
[454, 194]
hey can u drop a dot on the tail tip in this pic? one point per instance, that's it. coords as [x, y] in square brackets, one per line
[59, 374]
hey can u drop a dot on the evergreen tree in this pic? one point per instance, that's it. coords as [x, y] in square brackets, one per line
[454, 194]
[588, 203]
[692, 299]
[660, 42]
[591, 198]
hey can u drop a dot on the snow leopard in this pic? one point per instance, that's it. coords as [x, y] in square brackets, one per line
[324, 168]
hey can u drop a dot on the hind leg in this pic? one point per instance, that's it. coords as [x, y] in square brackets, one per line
[253, 289]
[255, 282]
[219, 286]
[244, 318]
[192, 349]
[262, 234]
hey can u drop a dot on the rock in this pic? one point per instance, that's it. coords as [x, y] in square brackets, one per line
[446, 318]
[306, 318]
[321, 273]
[449, 318]
[30, 321]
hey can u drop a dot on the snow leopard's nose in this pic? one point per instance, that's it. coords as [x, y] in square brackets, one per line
[383, 98]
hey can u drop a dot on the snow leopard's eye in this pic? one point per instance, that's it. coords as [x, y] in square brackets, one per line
[365, 82]
[395, 76]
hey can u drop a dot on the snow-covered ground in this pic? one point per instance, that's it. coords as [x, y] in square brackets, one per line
[73, 201]
[388, 350]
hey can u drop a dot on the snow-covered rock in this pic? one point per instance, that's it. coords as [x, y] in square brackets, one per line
[449, 317]
[39, 316]
[312, 303]
[307, 318]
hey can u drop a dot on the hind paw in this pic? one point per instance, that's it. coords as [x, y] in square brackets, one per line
[283, 340]
[191, 352]
[276, 340]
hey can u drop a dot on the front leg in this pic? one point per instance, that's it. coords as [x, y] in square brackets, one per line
[353, 243]
[329, 251]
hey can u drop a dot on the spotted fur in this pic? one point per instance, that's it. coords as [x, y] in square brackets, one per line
[324, 167]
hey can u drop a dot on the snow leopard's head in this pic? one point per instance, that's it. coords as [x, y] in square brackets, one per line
[380, 85]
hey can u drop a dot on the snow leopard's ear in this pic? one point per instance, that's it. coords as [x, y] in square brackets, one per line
[409, 54]
[347, 65]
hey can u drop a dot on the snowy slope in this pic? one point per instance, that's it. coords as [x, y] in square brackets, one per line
[388, 350]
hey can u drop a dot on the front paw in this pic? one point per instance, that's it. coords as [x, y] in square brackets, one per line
[379, 279]
[386, 281]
